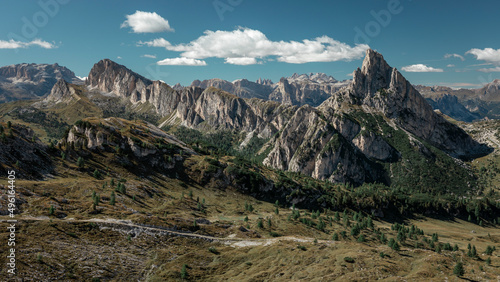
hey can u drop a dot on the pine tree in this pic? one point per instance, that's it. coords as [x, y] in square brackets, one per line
[260, 224]
[335, 236]
[80, 162]
[112, 199]
[51, 210]
[458, 270]
[184, 273]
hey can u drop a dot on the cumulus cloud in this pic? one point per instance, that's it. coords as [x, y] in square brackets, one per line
[420, 68]
[245, 46]
[447, 56]
[489, 55]
[496, 69]
[181, 62]
[149, 56]
[146, 22]
[241, 61]
[12, 44]
[450, 66]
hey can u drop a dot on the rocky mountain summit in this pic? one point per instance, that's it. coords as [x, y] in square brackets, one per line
[351, 135]
[29, 81]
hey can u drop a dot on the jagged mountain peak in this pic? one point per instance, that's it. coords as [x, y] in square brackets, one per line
[318, 77]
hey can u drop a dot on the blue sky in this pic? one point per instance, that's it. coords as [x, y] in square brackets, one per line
[452, 43]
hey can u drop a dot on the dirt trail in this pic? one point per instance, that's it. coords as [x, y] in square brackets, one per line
[128, 226]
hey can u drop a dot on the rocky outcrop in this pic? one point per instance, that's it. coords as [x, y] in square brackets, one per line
[449, 105]
[346, 138]
[303, 89]
[62, 92]
[142, 141]
[241, 88]
[30, 81]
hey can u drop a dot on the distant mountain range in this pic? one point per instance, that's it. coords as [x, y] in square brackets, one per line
[311, 89]
[30, 81]
[465, 104]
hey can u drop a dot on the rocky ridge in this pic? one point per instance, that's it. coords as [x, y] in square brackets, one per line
[29, 81]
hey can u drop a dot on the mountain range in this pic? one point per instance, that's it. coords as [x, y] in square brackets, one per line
[30, 81]
[200, 183]
[360, 133]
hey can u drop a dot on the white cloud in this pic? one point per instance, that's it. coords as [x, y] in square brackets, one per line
[489, 55]
[146, 22]
[159, 42]
[12, 44]
[447, 56]
[241, 61]
[496, 69]
[420, 68]
[119, 58]
[450, 66]
[181, 62]
[245, 46]
[149, 56]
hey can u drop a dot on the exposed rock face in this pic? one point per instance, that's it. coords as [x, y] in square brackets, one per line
[193, 106]
[109, 76]
[490, 92]
[449, 105]
[480, 103]
[264, 81]
[300, 90]
[241, 88]
[144, 141]
[329, 142]
[384, 89]
[29, 81]
[62, 92]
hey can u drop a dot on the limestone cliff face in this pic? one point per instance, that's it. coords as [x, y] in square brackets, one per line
[382, 88]
[193, 107]
[300, 90]
[62, 92]
[143, 141]
[345, 139]
[242, 88]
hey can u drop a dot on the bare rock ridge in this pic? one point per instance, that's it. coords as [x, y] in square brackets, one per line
[311, 89]
[194, 107]
[29, 81]
[349, 136]
[478, 103]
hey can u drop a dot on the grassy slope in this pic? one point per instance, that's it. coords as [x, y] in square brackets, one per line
[83, 250]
